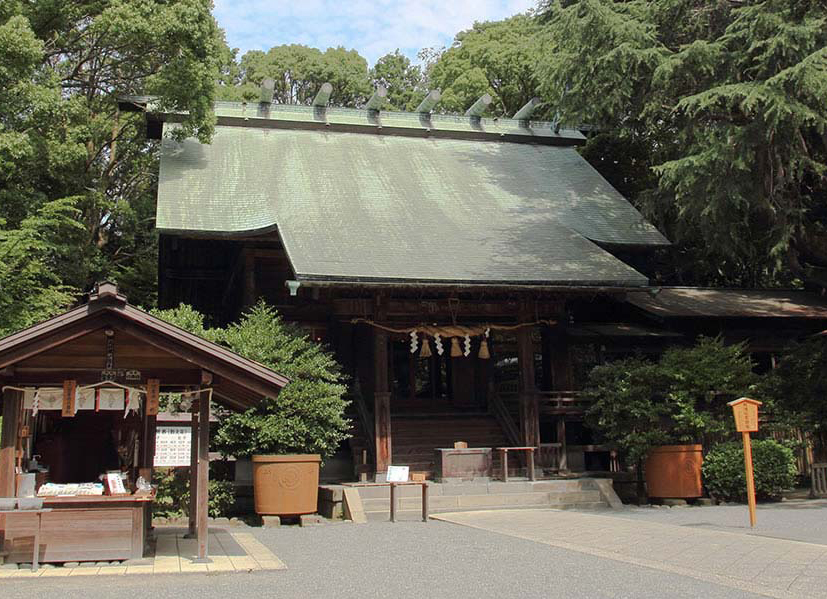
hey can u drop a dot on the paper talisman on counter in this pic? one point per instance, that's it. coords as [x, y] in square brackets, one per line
[114, 483]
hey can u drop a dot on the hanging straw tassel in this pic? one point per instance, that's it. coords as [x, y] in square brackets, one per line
[484, 354]
[425, 352]
[456, 352]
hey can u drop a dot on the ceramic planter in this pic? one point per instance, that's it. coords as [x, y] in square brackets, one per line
[674, 471]
[286, 485]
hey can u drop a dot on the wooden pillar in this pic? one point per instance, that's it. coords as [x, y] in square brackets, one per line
[203, 475]
[147, 457]
[381, 404]
[12, 406]
[529, 407]
[193, 506]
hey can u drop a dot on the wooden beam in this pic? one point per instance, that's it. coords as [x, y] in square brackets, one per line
[203, 476]
[59, 337]
[12, 405]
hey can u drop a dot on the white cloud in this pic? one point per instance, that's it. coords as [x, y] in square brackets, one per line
[373, 28]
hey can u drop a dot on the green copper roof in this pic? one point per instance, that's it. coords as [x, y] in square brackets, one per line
[355, 206]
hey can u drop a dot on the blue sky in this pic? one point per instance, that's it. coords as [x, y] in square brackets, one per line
[373, 28]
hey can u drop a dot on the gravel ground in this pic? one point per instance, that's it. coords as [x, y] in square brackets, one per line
[401, 560]
[795, 520]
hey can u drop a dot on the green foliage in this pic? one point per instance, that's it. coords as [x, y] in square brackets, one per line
[727, 101]
[402, 80]
[172, 499]
[499, 58]
[307, 416]
[725, 478]
[681, 399]
[299, 72]
[65, 148]
[30, 290]
[797, 388]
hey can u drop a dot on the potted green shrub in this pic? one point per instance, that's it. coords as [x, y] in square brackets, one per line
[286, 436]
[662, 412]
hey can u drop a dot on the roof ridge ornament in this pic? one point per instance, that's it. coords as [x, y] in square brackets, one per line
[377, 99]
[523, 115]
[479, 107]
[429, 102]
[323, 95]
[268, 87]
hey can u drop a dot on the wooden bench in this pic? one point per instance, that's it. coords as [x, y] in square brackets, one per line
[530, 458]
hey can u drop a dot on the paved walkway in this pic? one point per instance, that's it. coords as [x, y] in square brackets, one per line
[767, 566]
[229, 552]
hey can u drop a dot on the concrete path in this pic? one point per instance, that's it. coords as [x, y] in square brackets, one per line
[174, 554]
[761, 565]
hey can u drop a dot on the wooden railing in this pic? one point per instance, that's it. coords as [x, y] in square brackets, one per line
[819, 480]
[504, 417]
[366, 421]
[550, 402]
[548, 456]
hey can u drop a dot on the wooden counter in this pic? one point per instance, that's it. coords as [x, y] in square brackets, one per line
[81, 528]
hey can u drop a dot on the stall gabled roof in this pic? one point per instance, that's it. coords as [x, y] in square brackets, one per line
[696, 302]
[240, 382]
[368, 206]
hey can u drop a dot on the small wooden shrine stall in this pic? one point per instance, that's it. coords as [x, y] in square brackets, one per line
[80, 398]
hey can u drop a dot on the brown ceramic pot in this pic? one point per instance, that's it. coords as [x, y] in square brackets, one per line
[674, 471]
[286, 485]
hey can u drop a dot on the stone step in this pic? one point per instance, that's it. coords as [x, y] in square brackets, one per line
[481, 488]
[416, 514]
[463, 502]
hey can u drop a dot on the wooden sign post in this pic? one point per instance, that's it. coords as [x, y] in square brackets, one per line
[745, 411]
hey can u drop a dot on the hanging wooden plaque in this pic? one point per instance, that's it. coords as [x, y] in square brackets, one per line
[69, 389]
[745, 411]
[153, 392]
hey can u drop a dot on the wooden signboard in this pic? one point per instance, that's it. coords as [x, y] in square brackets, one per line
[153, 389]
[745, 411]
[69, 389]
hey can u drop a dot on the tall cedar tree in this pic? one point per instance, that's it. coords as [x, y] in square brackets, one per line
[76, 176]
[723, 103]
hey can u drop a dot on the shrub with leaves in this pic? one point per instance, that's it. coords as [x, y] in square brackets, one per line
[682, 398]
[172, 499]
[725, 478]
[307, 416]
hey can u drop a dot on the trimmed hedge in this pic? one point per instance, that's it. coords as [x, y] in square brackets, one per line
[724, 476]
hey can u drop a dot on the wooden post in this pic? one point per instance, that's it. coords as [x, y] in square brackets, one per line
[393, 502]
[381, 404]
[531, 475]
[750, 477]
[147, 457]
[12, 406]
[193, 507]
[425, 502]
[563, 462]
[529, 407]
[745, 411]
[504, 453]
[203, 476]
